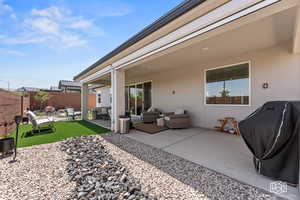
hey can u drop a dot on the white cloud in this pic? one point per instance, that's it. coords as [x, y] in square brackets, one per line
[12, 52]
[4, 8]
[53, 23]
[81, 24]
[55, 26]
[72, 40]
[44, 25]
[51, 12]
[13, 16]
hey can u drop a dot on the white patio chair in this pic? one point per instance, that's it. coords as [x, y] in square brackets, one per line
[77, 114]
[70, 113]
[38, 123]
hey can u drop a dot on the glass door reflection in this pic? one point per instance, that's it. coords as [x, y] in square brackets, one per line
[132, 102]
[138, 98]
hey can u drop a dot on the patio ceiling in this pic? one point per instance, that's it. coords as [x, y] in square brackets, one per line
[104, 80]
[257, 35]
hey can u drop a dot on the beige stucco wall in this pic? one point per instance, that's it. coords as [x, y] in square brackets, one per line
[276, 66]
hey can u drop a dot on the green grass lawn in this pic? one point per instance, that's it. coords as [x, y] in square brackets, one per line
[64, 129]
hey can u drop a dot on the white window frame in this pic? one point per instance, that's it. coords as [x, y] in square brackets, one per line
[226, 66]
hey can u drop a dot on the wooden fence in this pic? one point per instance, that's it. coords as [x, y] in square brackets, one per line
[60, 100]
[11, 104]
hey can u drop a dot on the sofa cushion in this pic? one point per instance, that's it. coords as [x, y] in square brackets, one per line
[42, 121]
[179, 111]
[179, 116]
[150, 109]
[167, 118]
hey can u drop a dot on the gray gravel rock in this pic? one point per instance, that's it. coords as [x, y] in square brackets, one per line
[39, 174]
[97, 174]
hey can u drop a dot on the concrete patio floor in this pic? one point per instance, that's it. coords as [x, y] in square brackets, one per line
[221, 152]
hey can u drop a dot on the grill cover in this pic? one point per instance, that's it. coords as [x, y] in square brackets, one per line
[272, 135]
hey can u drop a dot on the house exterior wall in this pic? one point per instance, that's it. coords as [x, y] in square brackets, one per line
[105, 97]
[276, 65]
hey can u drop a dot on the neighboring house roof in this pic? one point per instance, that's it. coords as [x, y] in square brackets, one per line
[50, 90]
[54, 88]
[66, 83]
[28, 89]
[176, 12]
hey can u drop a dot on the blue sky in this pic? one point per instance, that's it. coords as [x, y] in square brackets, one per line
[44, 41]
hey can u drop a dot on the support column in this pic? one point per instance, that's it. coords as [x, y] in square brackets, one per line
[84, 101]
[296, 42]
[118, 96]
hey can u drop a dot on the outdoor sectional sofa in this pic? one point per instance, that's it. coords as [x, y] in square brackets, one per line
[151, 116]
[177, 120]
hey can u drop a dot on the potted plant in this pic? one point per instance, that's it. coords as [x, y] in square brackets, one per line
[7, 143]
[62, 113]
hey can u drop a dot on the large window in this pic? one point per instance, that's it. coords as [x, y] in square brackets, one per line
[228, 85]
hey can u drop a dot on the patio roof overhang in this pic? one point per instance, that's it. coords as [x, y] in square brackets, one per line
[296, 41]
[274, 30]
[104, 80]
[202, 32]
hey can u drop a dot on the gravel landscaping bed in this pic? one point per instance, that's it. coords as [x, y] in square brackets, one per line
[97, 174]
[207, 182]
[39, 174]
[153, 180]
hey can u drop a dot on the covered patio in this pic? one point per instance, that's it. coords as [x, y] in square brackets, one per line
[175, 77]
[94, 115]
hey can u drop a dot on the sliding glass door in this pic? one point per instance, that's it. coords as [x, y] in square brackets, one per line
[138, 98]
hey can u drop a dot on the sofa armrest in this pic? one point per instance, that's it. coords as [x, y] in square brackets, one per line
[179, 116]
[169, 114]
[150, 113]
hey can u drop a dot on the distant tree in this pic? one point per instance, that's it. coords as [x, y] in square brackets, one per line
[23, 93]
[41, 97]
[224, 93]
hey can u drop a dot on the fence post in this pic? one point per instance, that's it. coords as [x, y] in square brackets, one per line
[22, 106]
